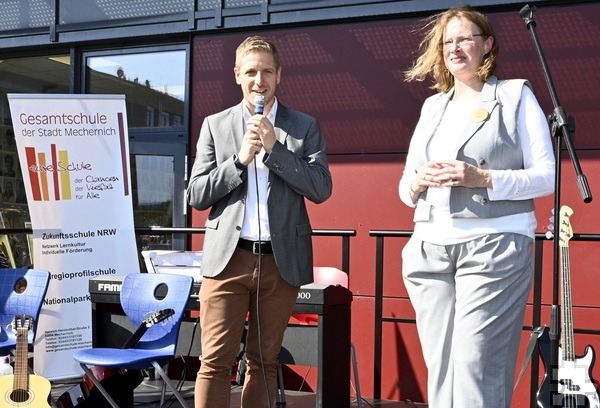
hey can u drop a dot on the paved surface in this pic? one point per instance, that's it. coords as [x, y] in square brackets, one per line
[147, 395]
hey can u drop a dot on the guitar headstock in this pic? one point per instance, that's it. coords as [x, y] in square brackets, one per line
[565, 232]
[22, 323]
[158, 317]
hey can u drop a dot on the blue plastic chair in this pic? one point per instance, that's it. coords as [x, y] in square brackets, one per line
[156, 347]
[22, 292]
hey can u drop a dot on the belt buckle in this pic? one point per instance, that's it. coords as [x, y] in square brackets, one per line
[256, 247]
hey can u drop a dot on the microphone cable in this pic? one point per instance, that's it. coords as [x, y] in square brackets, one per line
[259, 267]
[259, 103]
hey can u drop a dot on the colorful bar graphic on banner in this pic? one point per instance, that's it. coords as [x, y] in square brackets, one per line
[38, 174]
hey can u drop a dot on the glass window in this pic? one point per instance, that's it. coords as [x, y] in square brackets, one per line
[153, 83]
[37, 75]
[153, 190]
[157, 187]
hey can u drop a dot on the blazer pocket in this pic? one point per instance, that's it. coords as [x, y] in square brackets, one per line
[303, 229]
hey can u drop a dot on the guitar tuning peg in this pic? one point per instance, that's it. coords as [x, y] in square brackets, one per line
[550, 227]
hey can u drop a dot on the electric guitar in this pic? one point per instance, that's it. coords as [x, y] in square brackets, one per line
[22, 389]
[148, 322]
[575, 387]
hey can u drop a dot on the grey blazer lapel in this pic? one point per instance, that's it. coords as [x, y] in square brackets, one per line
[282, 124]
[237, 127]
[436, 109]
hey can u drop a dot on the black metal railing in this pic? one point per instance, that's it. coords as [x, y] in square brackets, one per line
[345, 236]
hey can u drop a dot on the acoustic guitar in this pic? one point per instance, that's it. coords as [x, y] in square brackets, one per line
[575, 387]
[22, 389]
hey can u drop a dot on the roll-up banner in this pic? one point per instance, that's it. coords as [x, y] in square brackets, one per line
[74, 156]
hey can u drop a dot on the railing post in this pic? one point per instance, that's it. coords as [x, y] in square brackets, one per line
[346, 254]
[378, 315]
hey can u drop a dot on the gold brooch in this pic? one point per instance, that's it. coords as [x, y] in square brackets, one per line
[480, 115]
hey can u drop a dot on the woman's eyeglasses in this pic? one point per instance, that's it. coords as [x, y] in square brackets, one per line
[465, 41]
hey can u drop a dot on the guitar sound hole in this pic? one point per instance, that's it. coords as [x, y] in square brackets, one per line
[19, 396]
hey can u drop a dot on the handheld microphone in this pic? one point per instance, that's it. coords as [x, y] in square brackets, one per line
[259, 104]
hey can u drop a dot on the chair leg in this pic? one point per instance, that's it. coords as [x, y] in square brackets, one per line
[167, 381]
[356, 379]
[163, 390]
[102, 390]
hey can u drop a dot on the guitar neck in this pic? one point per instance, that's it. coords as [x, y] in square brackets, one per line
[21, 375]
[565, 234]
[135, 337]
[567, 308]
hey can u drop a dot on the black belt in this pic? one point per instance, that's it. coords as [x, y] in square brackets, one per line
[255, 246]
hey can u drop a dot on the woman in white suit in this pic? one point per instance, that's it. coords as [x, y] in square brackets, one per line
[480, 154]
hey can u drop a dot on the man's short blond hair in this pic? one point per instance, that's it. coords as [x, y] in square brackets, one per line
[254, 44]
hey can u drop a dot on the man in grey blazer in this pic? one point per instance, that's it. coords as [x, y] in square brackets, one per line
[254, 170]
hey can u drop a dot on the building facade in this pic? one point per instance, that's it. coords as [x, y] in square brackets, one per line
[343, 62]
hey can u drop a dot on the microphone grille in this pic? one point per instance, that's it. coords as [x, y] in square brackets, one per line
[260, 101]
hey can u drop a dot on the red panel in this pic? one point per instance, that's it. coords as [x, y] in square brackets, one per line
[365, 197]
[350, 77]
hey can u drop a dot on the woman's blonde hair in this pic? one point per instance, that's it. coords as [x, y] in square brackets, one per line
[431, 60]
